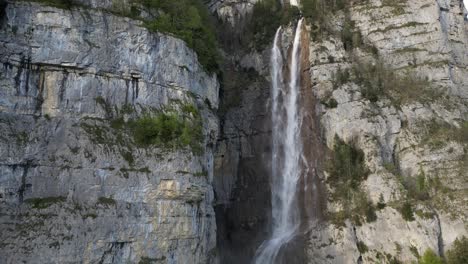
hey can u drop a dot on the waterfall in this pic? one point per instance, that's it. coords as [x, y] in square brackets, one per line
[286, 151]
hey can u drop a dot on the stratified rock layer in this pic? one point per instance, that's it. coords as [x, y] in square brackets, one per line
[75, 188]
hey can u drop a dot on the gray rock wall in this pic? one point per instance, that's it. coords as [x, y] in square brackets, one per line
[427, 39]
[75, 188]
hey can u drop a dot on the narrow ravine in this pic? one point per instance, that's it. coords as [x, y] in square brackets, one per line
[287, 151]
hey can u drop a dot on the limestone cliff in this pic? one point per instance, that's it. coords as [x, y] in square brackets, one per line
[414, 134]
[74, 186]
[384, 80]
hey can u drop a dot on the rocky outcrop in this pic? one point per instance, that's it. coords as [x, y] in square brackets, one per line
[232, 12]
[429, 39]
[74, 186]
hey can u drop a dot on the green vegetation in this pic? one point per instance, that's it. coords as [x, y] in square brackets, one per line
[21, 138]
[330, 103]
[407, 211]
[429, 257]
[340, 77]
[108, 201]
[99, 134]
[42, 203]
[147, 260]
[190, 21]
[414, 251]
[458, 254]
[267, 16]
[318, 13]
[203, 173]
[397, 5]
[170, 130]
[417, 187]
[425, 214]
[362, 247]
[350, 36]
[65, 4]
[320, 9]
[379, 82]
[381, 204]
[347, 170]
[438, 133]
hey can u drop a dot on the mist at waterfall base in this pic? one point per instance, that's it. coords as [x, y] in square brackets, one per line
[287, 151]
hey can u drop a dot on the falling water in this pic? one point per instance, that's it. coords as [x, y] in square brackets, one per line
[287, 151]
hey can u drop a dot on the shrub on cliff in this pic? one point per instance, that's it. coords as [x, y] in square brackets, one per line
[459, 252]
[347, 165]
[347, 170]
[190, 21]
[407, 212]
[378, 80]
[430, 257]
[170, 130]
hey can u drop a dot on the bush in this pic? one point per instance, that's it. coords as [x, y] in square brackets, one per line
[416, 188]
[347, 165]
[106, 201]
[340, 77]
[190, 21]
[170, 130]
[378, 81]
[459, 253]
[430, 257]
[42, 203]
[350, 36]
[363, 208]
[407, 212]
[438, 133]
[381, 204]
[362, 248]
[347, 170]
[330, 103]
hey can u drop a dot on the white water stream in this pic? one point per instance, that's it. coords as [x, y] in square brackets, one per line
[286, 151]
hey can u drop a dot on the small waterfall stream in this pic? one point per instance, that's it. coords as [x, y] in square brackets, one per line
[287, 151]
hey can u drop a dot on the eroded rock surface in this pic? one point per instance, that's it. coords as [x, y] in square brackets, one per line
[75, 188]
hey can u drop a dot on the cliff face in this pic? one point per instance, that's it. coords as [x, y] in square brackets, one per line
[402, 141]
[407, 135]
[74, 185]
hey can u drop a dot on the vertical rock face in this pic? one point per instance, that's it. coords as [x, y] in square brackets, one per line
[242, 171]
[74, 186]
[425, 38]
